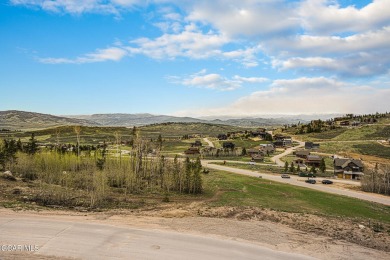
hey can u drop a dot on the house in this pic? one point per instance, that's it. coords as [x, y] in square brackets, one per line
[313, 160]
[282, 141]
[192, 151]
[222, 137]
[264, 148]
[228, 145]
[300, 162]
[278, 144]
[196, 144]
[302, 153]
[345, 168]
[251, 152]
[344, 123]
[311, 145]
[355, 123]
[257, 158]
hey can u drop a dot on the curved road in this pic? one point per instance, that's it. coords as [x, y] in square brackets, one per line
[100, 241]
[294, 180]
[209, 143]
[276, 158]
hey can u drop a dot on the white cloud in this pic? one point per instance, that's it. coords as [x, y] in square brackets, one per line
[361, 55]
[325, 45]
[195, 44]
[189, 43]
[109, 54]
[250, 79]
[245, 17]
[305, 96]
[358, 65]
[327, 17]
[202, 79]
[74, 6]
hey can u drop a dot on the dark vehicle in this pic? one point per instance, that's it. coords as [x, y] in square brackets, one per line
[306, 174]
[311, 181]
[285, 176]
[327, 182]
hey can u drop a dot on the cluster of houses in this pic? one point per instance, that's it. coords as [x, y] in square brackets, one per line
[344, 168]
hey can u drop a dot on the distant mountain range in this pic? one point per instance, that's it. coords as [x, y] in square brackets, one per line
[13, 119]
[22, 120]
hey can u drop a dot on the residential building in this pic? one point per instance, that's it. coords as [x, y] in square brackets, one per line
[345, 168]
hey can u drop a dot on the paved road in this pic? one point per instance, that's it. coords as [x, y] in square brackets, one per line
[294, 180]
[100, 241]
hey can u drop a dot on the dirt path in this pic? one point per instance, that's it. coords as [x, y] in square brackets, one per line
[276, 158]
[209, 143]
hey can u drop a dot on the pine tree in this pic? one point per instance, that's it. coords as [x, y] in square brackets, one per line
[19, 145]
[292, 168]
[243, 152]
[286, 167]
[197, 178]
[298, 168]
[32, 146]
[159, 142]
[322, 165]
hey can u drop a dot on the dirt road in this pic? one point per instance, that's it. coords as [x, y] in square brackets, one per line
[80, 239]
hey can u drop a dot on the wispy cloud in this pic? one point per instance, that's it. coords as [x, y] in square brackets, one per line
[202, 79]
[100, 55]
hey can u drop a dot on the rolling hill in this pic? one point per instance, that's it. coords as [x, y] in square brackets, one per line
[21, 120]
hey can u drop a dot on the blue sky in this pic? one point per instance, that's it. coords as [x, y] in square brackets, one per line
[195, 58]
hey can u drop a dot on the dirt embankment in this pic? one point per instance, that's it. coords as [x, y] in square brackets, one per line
[370, 234]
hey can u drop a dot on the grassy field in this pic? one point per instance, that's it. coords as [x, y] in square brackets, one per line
[374, 149]
[359, 147]
[367, 132]
[257, 167]
[237, 190]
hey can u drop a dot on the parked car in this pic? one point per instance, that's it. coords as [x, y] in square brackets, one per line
[285, 176]
[251, 163]
[311, 181]
[327, 182]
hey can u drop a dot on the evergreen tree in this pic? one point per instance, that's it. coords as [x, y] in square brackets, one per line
[292, 168]
[159, 142]
[197, 178]
[322, 165]
[243, 152]
[298, 168]
[187, 175]
[313, 169]
[19, 145]
[286, 167]
[32, 146]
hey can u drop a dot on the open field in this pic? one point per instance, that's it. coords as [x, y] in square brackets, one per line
[367, 132]
[371, 148]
